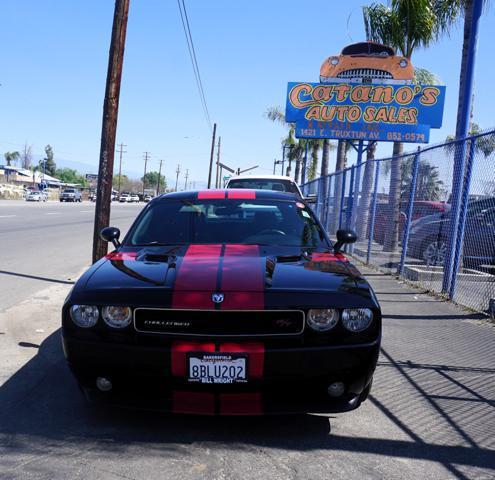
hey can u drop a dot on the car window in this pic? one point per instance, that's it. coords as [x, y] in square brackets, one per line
[261, 222]
[265, 184]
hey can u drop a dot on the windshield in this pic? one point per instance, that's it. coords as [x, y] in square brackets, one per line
[261, 222]
[265, 184]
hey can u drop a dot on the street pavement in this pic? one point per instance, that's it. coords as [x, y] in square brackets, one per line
[45, 243]
[430, 415]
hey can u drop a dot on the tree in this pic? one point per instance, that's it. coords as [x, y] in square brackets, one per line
[150, 181]
[48, 165]
[315, 145]
[26, 157]
[484, 144]
[365, 200]
[69, 175]
[405, 25]
[11, 157]
[428, 183]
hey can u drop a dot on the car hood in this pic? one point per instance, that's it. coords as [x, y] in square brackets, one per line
[233, 267]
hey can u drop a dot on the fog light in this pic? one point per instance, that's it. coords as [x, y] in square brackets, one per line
[336, 389]
[103, 384]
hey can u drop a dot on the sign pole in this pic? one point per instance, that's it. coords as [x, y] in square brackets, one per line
[460, 151]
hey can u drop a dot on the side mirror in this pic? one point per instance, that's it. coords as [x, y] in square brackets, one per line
[344, 237]
[111, 234]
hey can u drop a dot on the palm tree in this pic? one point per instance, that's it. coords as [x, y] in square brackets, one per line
[405, 25]
[315, 145]
[11, 157]
[365, 200]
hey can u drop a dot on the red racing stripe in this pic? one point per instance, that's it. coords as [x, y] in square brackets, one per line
[179, 351]
[241, 194]
[193, 402]
[121, 256]
[241, 404]
[197, 277]
[211, 195]
[328, 257]
[255, 352]
[243, 278]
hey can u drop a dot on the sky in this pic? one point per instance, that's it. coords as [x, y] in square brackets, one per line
[54, 57]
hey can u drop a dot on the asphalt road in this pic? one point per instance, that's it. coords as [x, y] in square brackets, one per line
[43, 243]
[431, 412]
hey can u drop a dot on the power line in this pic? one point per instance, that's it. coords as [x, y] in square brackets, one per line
[194, 61]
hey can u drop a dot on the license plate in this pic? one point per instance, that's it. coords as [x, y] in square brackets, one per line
[217, 368]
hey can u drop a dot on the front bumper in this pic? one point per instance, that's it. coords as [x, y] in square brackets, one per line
[285, 380]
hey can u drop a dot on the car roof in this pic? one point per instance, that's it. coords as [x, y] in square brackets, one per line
[230, 194]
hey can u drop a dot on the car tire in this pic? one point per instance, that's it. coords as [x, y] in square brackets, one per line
[433, 251]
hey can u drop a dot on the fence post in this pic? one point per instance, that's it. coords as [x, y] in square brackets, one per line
[327, 203]
[357, 181]
[350, 203]
[342, 198]
[462, 216]
[373, 212]
[410, 204]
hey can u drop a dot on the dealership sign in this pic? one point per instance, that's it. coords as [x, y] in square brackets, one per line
[348, 111]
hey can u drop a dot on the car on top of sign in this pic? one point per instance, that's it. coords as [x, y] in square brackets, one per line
[367, 62]
[231, 302]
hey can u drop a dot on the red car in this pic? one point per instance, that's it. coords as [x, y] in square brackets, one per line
[421, 208]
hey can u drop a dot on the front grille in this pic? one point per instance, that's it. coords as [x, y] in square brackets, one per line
[370, 73]
[218, 322]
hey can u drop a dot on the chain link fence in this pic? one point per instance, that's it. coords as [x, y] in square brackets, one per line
[401, 210]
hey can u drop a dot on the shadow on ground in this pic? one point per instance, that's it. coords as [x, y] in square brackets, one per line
[41, 405]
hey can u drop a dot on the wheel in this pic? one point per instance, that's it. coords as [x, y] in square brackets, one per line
[434, 251]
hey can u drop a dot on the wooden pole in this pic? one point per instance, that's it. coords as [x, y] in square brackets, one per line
[212, 152]
[121, 151]
[146, 157]
[217, 182]
[109, 126]
[159, 178]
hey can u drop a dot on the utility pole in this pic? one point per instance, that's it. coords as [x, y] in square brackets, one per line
[109, 126]
[159, 179]
[187, 175]
[177, 177]
[217, 181]
[146, 157]
[211, 153]
[121, 151]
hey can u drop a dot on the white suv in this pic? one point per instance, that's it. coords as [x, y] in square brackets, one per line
[279, 183]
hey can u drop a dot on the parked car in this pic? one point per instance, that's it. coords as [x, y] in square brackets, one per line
[428, 239]
[71, 195]
[278, 183]
[36, 196]
[134, 198]
[124, 197]
[147, 198]
[92, 197]
[421, 208]
[259, 312]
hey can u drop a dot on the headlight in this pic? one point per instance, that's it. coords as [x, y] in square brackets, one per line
[117, 317]
[84, 316]
[322, 319]
[334, 61]
[357, 319]
[403, 63]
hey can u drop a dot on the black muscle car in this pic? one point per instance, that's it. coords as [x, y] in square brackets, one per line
[230, 302]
